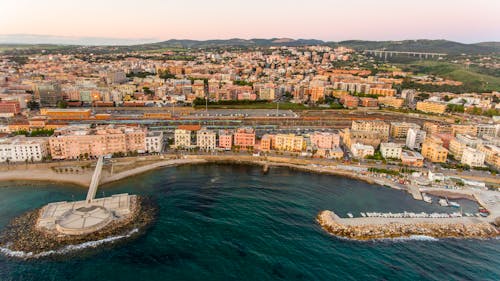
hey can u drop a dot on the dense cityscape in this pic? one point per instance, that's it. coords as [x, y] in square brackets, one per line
[219, 140]
[263, 100]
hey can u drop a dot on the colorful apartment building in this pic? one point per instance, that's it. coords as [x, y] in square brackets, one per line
[244, 138]
[324, 140]
[289, 142]
[434, 151]
[206, 139]
[225, 139]
[431, 107]
[399, 130]
[77, 142]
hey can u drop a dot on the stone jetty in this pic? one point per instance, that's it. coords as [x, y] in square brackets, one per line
[379, 228]
[22, 234]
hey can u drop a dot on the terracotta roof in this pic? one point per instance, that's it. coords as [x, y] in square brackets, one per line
[189, 127]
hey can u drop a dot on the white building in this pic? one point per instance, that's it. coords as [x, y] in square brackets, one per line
[391, 150]
[21, 148]
[182, 138]
[473, 157]
[469, 140]
[487, 130]
[361, 151]
[154, 142]
[206, 139]
[415, 138]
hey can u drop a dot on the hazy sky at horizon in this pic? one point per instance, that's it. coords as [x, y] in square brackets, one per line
[458, 20]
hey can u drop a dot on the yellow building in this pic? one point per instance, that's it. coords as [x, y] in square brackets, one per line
[435, 128]
[66, 113]
[391, 101]
[382, 92]
[431, 107]
[434, 152]
[463, 129]
[457, 148]
[378, 126]
[289, 142]
[399, 130]
[492, 154]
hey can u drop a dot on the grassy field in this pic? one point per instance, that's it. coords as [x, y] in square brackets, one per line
[470, 78]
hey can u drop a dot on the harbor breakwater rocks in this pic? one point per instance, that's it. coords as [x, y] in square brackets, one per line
[22, 235]
[439, 228]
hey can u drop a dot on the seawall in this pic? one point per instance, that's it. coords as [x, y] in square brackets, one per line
[381, 228]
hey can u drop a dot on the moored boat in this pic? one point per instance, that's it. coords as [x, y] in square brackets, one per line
[443, 202]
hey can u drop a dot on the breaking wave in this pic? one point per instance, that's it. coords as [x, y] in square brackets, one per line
[67, 249]
[412, 238]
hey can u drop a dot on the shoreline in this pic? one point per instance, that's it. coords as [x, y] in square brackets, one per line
[48, 174]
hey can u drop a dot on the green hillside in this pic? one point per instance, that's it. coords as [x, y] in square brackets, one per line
[473, 81]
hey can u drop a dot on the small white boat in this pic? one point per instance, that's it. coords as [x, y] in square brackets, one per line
[443, 202]
[350, 215]
[363, 215]
[454, 204]
[426, 198]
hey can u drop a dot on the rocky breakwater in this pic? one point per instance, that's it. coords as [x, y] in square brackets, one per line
[22, 237]
[380, 228]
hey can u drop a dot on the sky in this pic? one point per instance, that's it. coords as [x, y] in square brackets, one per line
[465, 21]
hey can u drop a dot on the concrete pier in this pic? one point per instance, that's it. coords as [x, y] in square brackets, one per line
[86, 216]
[96, 177]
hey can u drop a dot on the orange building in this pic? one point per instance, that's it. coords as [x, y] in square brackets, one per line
[382, 92]
[266, 143]
[66, 114]
[245, 138]
[369, 102]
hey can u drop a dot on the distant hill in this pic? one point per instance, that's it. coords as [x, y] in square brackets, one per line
[440, 46]
[437, 46]
[422, 45]
[235, 42]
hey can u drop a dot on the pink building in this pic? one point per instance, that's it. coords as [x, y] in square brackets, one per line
[325, 140]
[247, 96]
[74, 142]
[10, 107]
[245, 138]
[225, 139]
[445, 138]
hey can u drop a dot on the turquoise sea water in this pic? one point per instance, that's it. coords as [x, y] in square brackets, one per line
[221, 222]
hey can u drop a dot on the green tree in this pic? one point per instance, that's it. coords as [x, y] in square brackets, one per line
[62, 104]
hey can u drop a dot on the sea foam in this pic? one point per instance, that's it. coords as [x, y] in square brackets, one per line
[67, 249]
[409, 238]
